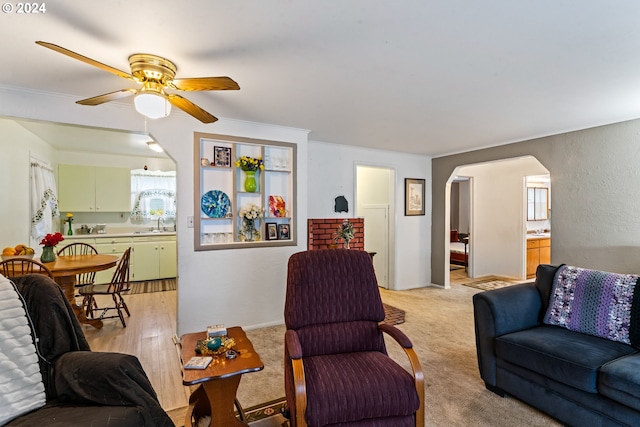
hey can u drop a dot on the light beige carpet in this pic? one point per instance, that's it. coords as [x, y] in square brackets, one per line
[440, 324]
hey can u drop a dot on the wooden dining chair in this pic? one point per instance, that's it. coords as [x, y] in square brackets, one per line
[80, 248]
[15, 267]
[119, 282]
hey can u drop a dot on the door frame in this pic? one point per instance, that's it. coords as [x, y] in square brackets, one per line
[391, 218]
[386, 208]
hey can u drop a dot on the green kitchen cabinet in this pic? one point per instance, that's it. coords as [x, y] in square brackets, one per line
[94, 189]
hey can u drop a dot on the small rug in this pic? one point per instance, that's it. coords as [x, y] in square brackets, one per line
[151, 286]
[392, 315]
[266, 414]
[488, 284]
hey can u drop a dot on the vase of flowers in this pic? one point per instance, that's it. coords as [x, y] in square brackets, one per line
[49, 242]
[249, 215]
[345, 232]
[250, 165]
[69, 220]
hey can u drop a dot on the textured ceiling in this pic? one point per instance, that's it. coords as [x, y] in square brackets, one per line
[430, 77]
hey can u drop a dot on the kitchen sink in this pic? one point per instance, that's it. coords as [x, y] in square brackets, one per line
[155, 231]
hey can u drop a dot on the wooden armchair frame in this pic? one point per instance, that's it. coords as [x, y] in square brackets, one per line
[294, 352]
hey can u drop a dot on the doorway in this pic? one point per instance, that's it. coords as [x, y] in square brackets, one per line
[497, 216]
[375, 195]
[460, 226]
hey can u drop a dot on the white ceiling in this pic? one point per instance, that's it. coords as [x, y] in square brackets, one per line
[431, 77]
[90, 139]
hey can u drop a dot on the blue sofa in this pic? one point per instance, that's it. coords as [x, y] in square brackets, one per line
[578, 379]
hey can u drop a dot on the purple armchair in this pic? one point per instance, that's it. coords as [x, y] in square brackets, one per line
[337, 370]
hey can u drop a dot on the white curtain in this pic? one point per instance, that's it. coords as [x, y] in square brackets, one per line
[44, 199]
[148, 185]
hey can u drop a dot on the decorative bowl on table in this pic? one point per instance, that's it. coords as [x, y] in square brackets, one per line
[8, 257]
[226, 343]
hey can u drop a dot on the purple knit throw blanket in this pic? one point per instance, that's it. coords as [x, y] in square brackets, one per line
[596, 303]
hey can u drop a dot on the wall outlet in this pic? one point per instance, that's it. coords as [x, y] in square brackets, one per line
[190, 222]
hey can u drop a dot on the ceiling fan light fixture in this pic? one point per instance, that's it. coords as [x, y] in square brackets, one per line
[155, 146]
[152, 105]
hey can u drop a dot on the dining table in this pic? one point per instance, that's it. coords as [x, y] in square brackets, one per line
[64, 270]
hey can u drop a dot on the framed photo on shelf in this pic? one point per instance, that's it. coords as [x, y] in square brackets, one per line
[272, 231]
[283, 232]
[222, 157]
[414, 196]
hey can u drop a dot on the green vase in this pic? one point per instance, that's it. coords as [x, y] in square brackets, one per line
[48, 255]
[70, 231]
[250, 184]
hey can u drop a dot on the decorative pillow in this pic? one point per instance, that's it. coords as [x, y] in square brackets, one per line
[454, 236]
[21, 386]
[596, 303]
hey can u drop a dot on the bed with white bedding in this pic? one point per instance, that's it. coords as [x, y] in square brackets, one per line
[459, 251]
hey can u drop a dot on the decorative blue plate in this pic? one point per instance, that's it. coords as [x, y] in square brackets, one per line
[215, 204]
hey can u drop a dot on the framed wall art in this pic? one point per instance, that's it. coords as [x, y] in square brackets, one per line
[283, 232]
[222, 157]
[272, 231]
[414, 196]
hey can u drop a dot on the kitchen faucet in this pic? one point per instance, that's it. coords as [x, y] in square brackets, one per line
[160, 219]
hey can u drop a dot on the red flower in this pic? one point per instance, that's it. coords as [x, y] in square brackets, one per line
[52, 239]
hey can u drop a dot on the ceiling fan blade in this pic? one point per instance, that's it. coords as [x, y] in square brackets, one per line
[85, 59]
[204, 83]
[101, 99]
[191, 108]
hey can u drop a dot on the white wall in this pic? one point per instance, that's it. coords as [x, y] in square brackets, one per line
[333, 167]
[243, 286]
[235, 287]
[464, 206]
[498, 216]
[16, 147]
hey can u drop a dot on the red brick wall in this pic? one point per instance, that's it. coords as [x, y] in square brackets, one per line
[322, 233]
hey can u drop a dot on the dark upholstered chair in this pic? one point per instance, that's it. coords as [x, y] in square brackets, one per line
[337, 370]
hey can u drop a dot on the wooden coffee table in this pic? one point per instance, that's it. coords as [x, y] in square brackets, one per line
[218, 383]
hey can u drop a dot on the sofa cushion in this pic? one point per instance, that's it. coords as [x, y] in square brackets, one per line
[545, 275]
[619, 380]
[565, 356]
[21, 386]
[55, 414]
[597, 303]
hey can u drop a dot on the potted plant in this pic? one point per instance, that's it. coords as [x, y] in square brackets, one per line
[345, 232]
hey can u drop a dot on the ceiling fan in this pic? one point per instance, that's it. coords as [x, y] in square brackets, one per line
[155, 74]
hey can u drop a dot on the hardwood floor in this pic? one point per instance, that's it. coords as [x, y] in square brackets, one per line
[149, 336]
[457, 274]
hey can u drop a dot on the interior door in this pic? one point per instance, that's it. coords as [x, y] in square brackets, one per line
[376, 228]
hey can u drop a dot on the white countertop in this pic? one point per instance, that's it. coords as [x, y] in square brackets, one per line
[538, 236]
[120, 234]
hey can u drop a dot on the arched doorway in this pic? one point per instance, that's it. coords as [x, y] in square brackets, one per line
[498, 221]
